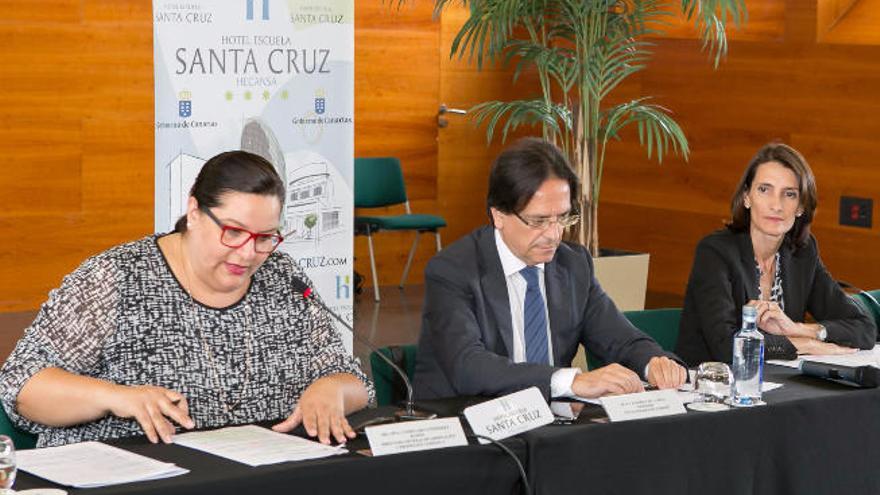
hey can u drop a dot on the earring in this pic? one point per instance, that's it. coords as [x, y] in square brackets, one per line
[747, 206]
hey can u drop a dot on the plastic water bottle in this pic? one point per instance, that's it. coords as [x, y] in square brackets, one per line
[748, 361]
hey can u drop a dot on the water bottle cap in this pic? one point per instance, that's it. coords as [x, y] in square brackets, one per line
[750, 311]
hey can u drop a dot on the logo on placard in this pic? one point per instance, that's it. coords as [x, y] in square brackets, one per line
[184, 104]
[250, 9]
[320, 102]
[343, 286]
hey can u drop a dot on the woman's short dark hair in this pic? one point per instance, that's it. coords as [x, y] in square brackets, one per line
[238, 171]
[519, 171]
[791, 159]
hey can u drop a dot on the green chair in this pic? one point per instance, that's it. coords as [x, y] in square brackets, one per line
[22, 439]
[378, 183]
[869, 301]
[660, 324]
[390, 388]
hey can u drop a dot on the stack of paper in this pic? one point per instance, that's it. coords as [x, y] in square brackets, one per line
[93, 464]
[255, 446]
[860, 358]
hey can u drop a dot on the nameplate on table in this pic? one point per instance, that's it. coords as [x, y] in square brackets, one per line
[509, 415]
[413, 436]
[642, 405]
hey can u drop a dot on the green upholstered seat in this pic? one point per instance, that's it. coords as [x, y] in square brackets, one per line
[659, 324]
[378, 183]
[22, 439]
[390, 388]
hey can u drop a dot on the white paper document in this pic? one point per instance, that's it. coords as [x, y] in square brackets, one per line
[93, 464]
[860, 358]
[686, 393]
[256, 446]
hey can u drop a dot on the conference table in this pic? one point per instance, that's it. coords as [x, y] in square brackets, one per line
[812, 437]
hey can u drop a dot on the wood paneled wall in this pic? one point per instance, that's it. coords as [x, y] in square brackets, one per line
[819, 97]
[77, 112]
[76, 115]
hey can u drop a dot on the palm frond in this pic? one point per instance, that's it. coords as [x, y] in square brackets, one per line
[519, 112]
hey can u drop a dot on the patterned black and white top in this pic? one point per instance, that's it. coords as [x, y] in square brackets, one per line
[123, 317]
[776, 294]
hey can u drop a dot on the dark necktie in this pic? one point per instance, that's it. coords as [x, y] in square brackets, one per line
[534, 318]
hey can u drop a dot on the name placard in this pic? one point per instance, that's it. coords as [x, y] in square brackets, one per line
[412, 436]
[509, 415]
[642, 405]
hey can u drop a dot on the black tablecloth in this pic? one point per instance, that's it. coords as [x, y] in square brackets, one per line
[474, 469]
[813, 437]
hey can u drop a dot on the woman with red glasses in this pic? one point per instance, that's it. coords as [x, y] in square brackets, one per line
[203, 327]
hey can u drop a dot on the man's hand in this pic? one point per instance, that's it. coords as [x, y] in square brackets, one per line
[666, 373]
[613, 379]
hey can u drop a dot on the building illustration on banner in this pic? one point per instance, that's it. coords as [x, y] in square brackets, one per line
[315, 197]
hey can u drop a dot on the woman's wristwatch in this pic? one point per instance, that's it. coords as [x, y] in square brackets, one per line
[822, 334]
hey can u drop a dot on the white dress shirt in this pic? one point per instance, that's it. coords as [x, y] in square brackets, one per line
[561, 380]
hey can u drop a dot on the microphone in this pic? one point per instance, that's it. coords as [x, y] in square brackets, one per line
[409, 411]
[856, 376]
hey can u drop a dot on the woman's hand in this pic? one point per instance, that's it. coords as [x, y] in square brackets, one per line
[323, 405]
[151, 407]
[773, 320]
[806, 345]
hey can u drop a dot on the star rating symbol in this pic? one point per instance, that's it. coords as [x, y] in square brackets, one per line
[228, 95]
[266, 94]
[247, 95]
[284, 94]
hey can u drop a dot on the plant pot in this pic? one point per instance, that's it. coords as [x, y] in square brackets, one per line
[623, 275]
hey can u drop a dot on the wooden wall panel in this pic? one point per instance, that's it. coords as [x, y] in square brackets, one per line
[76, 116]
[76, 105]
[818, 97]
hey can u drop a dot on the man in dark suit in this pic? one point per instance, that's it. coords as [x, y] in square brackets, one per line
[507, 305]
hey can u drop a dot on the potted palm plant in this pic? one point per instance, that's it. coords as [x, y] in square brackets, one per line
[581, 50]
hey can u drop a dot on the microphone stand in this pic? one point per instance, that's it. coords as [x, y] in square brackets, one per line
[409, 412]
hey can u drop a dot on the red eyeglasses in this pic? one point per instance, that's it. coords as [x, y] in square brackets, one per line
[235, 237]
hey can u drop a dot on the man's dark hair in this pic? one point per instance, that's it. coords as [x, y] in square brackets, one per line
[519, 171]
[238, 171]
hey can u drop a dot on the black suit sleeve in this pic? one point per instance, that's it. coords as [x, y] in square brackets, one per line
[609, 335]
[846, 324]
[453, 332]
[717, 308]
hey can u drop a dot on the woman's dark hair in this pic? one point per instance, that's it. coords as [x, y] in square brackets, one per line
[519, 171]
[791, 159]
[237, 171]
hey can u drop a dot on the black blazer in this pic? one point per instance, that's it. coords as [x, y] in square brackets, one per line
[466, 344]
[724, 278]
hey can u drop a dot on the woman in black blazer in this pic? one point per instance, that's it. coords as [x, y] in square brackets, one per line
[767, 257]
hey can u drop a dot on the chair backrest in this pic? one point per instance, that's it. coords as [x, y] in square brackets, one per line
[870, 304]
[390, 388]
[378, 182]
[22, 439]
[660, 324]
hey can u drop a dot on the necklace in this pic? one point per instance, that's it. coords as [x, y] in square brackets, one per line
[228, 408]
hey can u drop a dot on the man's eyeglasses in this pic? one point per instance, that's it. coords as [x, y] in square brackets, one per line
[541, 223]
[234, 237]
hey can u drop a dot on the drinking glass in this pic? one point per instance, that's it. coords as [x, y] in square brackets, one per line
[712, 386]
[7, 465]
